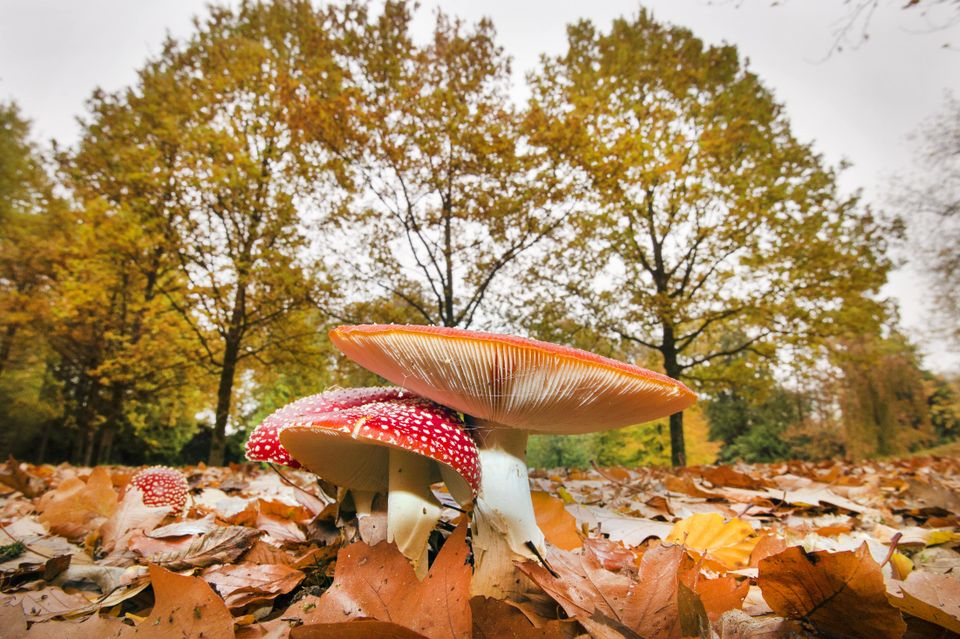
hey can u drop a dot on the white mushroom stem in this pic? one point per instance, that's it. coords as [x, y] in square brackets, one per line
[412, 510]
[363, 501]
[504, 524]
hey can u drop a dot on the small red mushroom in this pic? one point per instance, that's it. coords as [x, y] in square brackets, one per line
[162, 486]
[264, 445]
[400, 446]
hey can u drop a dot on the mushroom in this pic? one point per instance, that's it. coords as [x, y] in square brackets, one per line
[264, 445]
[162, 486]
[507, 387]
[398, 444]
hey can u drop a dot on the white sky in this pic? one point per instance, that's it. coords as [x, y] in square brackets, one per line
[859, 105]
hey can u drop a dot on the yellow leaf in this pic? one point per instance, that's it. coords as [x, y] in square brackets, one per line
[902, 565]
[728, 544]
[558, 526]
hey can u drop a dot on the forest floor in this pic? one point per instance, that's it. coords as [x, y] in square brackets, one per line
[835, 549]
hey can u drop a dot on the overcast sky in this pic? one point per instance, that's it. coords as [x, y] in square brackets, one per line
[859, 105]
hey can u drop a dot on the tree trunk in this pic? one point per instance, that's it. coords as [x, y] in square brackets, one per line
[6, 345]
[678, 451]
[89, 440]
[218, 443]
[44, 441]
[106, 445]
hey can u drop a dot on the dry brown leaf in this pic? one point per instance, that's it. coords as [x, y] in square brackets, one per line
[687, 486]
[602, 600]
[130, 517]
[727, 476]
[558, 526]
[78, 507]
[767, 545]
[185, 607]
[738, 625]
[93, 627]
[13, 621]
[841, 594]
[612, 555]
[48, 603]
[30, 571]
[493, 619]
[718, 595]
[694, 621]
[357, 629]
[242, 584]
[931, 597]
[379, 583]
[185, 528]
[728, 544]
[18, 479]
[220, 546]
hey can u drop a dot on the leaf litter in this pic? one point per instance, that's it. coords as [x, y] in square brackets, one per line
[863, 551]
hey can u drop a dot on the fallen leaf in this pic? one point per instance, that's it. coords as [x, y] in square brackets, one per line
[184, 528]
[185, 607]
[357, 629]
[841, 594]
[728, 476]
[931, 597]
[718, 595]
[687, 486]
[693, 616]
[767, 545]
[18, 479]
[728, 543]
[493, 619]
[48, 603]
[738, 625]
[220, 546]
[77, 507]
[28, 571]
[93, 627]
[600, 599]
[130, 517]
[242, 584]
[12, 620]
[558, 526]
[378, 582]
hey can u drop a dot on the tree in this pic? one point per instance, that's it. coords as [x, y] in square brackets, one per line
[883, 397]
[452, 194]
[229, 181]
[931, 199]
[30, 231]
[708, 218]
[27, 227]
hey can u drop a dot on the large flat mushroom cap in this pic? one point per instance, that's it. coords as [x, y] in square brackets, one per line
[350, 446]
[511, 380]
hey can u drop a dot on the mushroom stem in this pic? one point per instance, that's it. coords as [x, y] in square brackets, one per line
[363, 501]
[504, 524]
[412, 510]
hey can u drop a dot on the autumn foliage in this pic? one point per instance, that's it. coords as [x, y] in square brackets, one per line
[788, 550]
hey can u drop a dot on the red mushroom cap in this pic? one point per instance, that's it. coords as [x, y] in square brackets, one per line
[264, 442]
[513, 381]
[350, 447]
[162, 486]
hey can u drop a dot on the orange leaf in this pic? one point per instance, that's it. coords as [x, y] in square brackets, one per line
[728, 543]
[185, 607]
[493, 619]
[378, 582]
[929, 596]
[242, 584]
[78, 507]
[842, 594]
[558, 526]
